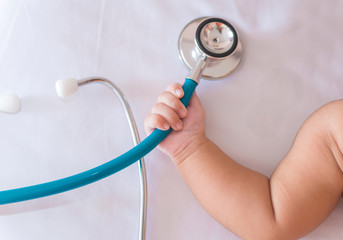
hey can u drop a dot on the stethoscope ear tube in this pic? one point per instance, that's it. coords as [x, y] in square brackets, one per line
[97, 173]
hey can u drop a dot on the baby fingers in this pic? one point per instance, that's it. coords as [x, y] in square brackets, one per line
[173, 102]
[162, 117]
[153, 121]
[168, 114]
[175, 89]
[168, 111]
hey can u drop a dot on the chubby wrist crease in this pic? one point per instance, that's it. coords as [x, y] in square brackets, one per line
[193, 145]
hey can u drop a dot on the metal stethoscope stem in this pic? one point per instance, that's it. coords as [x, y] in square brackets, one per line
[136, 140]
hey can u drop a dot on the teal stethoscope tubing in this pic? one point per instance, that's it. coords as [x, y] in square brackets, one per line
[97, 173]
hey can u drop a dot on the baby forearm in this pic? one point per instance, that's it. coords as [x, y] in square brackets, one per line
[237, 197]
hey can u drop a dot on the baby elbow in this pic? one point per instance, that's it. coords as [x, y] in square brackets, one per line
[330, 116]
[329, 120]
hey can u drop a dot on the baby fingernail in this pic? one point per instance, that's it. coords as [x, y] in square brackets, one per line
[182, 113]
[178, 92]
[165, 126]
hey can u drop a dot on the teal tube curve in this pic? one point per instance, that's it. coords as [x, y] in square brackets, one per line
[99, 172]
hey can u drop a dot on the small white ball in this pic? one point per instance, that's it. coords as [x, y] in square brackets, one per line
[66, 87]
[10, 103]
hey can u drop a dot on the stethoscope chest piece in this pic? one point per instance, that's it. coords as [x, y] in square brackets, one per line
[215, 39]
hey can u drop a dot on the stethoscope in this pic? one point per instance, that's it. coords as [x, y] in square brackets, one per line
[209, 47]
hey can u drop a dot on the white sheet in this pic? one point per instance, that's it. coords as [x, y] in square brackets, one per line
[292, 65]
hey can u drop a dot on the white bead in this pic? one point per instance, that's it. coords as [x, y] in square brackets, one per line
[66, 87]
[10, 103]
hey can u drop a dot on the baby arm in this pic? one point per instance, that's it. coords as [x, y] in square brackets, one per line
[300, 194]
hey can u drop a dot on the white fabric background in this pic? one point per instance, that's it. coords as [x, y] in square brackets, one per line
[292, 65]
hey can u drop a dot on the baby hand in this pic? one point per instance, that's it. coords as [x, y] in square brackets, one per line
[188, 124]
